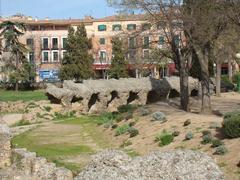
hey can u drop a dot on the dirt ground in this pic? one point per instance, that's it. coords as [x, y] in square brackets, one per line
[144, 142]
[98, 138]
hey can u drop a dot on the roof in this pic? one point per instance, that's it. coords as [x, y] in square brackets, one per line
[86, 20]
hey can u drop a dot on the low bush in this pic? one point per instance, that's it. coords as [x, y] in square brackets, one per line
[133, 132]
[231, 124]
[114, 126]
[22, 123]
[144, 111]
[176, 133]
[47, 108]
[217, 143]
[126, 143]
[127, 108]
[164, 138]
[187, 122]
[159, 116]
[206, 132]
[128, 115]
[106, 118]
[60, 116]
[131, 124]
[122, 129]
[221, 150]
[189, 136]
[207, 139]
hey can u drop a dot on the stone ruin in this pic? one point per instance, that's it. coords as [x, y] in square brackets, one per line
[93, 96]
[24, 165]
[109, 164]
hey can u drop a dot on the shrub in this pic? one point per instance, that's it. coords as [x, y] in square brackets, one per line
[217, 143]
[159, 116]
[106, 118]
[126, 143]
[187, 122]
[22, 123]
[131, 124]
[128, 116]
[122, 129]
[207, 139]
[189, 136]
[235, 78]
[231, 124]
[221, 150]
[133, 132]
[144, 111]
[126, 108]
[176, 133]
[47, 108]
[206, 132]
[114, 126]
[164, 138]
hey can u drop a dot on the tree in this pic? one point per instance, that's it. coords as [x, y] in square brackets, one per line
[119, 64]
[10, 33]
[77, 62]
[204, 22]
[167, 16]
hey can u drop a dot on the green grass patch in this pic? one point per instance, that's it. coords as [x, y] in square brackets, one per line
[122, 129]
[21, 123]
[37, 95]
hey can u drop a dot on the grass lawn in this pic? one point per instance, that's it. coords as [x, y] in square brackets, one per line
[68, 143]
[22, 95]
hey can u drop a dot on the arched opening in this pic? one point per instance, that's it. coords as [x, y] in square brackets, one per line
[194, 93]
[132, 97]
[76, 99]
[52, 99]
[114, 95]
[174, 93]
[94, 98]
[153, 97]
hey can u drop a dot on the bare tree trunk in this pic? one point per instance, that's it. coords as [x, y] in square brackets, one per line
[17, 66]
[218, 79]
[205, 81]
[184, 90]
[230, 70]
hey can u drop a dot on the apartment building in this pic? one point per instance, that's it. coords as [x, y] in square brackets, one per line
[47, 39]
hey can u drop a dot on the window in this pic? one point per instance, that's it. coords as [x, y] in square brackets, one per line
[131, 27]
[30, 42]
[146, 53]
[102, 55]
[64, 43]
[131, 42]
[161, 25]
[161, 40]
[45, 56]
[116, 27]
[54, 43]
[31, 57]
[102, 41]
[132, 54]
[63, 54]
[102, 27]
[146, 42]
[176, 40]
[55, 56]
[146, 26]
[45, 43]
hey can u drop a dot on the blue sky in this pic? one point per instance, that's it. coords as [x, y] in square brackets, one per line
[56, 9]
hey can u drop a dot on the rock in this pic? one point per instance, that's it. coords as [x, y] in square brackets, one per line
[95, 96]
[187, 122]
[159, 116]
[187, 165]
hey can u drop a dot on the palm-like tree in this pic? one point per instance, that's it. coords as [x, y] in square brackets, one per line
[10, 33]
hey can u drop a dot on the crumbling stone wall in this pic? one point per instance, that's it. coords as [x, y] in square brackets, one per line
[5, 146]
[24, 165]
[95, 96]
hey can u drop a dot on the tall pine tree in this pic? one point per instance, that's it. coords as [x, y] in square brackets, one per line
[119, 64]
[77, 61]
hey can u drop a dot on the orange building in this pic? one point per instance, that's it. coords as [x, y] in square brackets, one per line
[47, 40]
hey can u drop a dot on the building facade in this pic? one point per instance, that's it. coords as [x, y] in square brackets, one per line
[46, 40]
